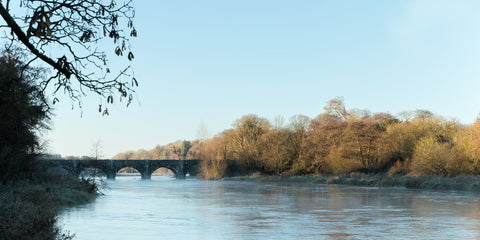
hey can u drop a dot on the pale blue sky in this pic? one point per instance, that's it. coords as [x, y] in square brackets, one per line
[215, 61]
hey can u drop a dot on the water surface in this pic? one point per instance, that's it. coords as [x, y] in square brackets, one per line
[166, 208]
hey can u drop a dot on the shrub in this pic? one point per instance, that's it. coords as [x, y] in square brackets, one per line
[431, 157]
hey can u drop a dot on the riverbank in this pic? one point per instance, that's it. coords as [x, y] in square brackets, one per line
[458, 183]
[29, 208]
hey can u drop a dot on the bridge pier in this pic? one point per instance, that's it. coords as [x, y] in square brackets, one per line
[146, 176]
[111, 176]
[180, 171]
[180, 176]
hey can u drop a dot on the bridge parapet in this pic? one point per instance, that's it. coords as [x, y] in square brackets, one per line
[110, 167]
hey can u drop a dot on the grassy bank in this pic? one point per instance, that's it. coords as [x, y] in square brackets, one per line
[460, 183]
[29, 208]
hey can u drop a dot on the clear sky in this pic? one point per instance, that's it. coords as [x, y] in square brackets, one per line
[215, 61]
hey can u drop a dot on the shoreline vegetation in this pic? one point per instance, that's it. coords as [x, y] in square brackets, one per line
[413, 149]
[457, 183]
[29, 207]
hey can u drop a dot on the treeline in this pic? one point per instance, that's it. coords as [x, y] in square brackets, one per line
[337, 141]
[179, 150]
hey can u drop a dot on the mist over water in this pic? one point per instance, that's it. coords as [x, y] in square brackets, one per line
[166, 208]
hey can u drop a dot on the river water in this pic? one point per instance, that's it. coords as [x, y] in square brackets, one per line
[166, 208]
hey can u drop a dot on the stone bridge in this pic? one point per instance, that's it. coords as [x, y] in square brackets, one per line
[111, 167]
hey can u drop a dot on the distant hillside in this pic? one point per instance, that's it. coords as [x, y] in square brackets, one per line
[177, 150]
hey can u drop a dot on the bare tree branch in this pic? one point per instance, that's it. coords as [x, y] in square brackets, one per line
[76, 28]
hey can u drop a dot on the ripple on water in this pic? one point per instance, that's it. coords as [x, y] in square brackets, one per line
[194, 209]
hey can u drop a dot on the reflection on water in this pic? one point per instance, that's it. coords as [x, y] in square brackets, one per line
[166, 208]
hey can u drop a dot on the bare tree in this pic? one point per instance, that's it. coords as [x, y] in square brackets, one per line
[96, 154]
[202, 132]
[97, 150]
[74, 29]
[278, 122]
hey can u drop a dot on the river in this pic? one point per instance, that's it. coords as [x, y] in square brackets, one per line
[166, 208]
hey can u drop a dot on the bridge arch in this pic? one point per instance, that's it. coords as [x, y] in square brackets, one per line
[128, 171]
[163, 171]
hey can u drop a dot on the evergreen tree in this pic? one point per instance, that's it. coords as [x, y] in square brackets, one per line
[23, 112]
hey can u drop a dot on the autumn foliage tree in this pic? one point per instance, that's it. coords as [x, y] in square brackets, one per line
[245, 140]
[275, 156]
